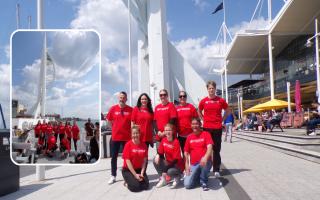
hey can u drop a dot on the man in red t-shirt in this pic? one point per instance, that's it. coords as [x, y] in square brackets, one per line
[210, 110]
[119, 116]
[197, 152]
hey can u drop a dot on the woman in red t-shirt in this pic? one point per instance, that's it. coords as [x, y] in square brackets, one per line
[135, 157]
[185, 112]
[142, 116]
[75, 134]
[168, 160]
[164, 113]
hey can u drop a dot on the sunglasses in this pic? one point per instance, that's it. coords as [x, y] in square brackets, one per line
[163, 95]
[183, 96]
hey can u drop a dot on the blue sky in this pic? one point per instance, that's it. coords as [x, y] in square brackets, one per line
[190, 24]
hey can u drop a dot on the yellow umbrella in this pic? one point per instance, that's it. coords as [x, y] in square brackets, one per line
[273, 104]
[253, 109]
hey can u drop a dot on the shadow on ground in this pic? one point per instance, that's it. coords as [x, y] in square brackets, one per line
[25, 190]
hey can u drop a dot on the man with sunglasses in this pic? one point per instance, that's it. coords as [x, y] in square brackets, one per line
[164, 113]
[186, 112]
[119, 117]
[210, 110]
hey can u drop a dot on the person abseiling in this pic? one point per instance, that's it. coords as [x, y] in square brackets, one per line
[197, 152]
[168, 160]
[135, 157]
[210, 110]
[185, 112]
[164, 113]
[142, 115]
[119, 116]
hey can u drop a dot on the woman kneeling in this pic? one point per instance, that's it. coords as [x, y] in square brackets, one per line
[135, 156]
[168, 161]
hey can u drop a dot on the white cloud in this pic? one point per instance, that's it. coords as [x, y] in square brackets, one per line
[256, 24]
[109, 19]
[169, 28]
[75, 84]
[200, 4]
[74, 53]
[86, 90]
[198, 52]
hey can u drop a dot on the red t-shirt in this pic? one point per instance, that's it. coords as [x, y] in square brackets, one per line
[51, 142]
[37, 129]
[66, 144]
[144, 119]
[135, 153]
[68, 131]
[162, 115]
[185, 115]
[196, 146]
[56, 129]
[121, 122]
[49, 129]
[212, 108]
[62, 129]
[171, 151]
[44, 128]
[75, 131]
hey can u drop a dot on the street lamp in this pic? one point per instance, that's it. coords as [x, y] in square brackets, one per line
[309, 44]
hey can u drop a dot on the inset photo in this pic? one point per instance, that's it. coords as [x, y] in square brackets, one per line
[55, 94]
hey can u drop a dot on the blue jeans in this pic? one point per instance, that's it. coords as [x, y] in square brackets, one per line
[313, 123]
[198, 174]
[228, 131]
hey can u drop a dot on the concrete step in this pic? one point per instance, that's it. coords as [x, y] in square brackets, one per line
[304, 150]
[311, 143]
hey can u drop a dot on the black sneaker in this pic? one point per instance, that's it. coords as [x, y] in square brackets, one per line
[204, 187]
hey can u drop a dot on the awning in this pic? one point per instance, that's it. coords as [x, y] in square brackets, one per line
[244, 83]
[248, 53]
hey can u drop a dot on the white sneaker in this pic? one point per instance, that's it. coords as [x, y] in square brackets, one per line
[313, 133]
[217, 174]
[112, 180]
[175, 182]
[161, 183]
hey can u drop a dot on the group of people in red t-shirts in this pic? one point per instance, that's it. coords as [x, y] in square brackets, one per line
[48, 133]
[183, 145]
